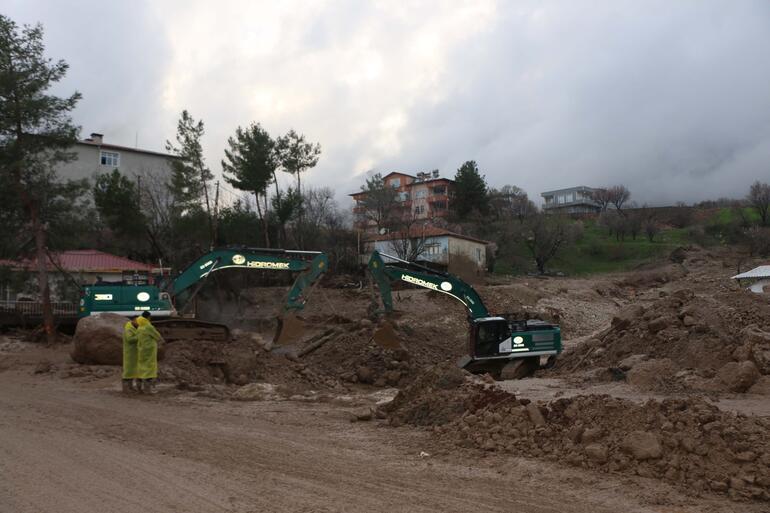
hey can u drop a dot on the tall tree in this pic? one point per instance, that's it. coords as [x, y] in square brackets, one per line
[190, 176]
[36, 134]
[470, 192]
[601, 197]
[759, 197]
[509, 203]
[379, 205]
[296, 155]
[546, 235]
[249, 165]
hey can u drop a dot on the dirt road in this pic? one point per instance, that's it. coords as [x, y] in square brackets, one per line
[76, 447]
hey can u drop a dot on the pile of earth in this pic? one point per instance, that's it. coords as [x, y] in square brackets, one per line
[682, 342]
[687, 442]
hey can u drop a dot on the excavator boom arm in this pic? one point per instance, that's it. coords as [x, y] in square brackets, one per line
[423, 277]
[310, 265]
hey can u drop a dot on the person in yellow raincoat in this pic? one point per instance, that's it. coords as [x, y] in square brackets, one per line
[147, 350]
[129, 356]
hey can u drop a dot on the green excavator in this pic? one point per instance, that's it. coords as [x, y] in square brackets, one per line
[500, 345]
[170, 300]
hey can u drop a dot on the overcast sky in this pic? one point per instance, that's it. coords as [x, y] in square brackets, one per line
[670, 98]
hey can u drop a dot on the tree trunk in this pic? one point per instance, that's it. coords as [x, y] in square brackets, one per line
[264, 221]
[42, 274]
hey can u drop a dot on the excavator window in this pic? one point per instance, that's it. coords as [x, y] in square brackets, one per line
[489, 336]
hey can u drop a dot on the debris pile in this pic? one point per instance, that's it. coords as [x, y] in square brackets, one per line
[688, 442]
[683, 342]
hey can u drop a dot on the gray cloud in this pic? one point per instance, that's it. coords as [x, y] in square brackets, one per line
[669, 98]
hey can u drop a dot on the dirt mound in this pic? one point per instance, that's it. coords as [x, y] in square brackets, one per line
[98, 340]
[685, 442]
[693, 342]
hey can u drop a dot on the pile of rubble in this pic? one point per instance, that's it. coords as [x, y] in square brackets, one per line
[686, 442]
[682, 342]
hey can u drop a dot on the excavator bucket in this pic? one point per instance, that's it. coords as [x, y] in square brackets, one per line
[290, 329]
[385, 336]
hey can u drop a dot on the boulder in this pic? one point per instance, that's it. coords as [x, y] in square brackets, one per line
[98, 340]
[738, 376]
[596, 452]
[628, 363]
[642, 445]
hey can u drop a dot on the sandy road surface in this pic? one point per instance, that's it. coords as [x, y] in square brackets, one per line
[70, 447]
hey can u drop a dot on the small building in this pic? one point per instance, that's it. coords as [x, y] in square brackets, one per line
[69, 270]
[436, 246]
[424, 196]
[574, 200]
[95, 157]
[759, 278]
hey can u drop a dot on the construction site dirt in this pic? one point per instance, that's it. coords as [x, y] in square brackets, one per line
[659, 403]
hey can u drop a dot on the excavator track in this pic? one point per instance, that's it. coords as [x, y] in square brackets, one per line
[192, 329]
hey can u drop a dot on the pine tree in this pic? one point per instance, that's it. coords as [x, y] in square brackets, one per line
[36, 134]
[470, 192]
[250, 165]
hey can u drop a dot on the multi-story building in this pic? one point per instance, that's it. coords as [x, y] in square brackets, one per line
[94, 157]
[421, 197]
[574, 200]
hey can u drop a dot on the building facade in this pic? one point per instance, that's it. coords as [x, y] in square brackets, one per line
[574, 200]
[95, 157]
[439, 247]
[421, 197]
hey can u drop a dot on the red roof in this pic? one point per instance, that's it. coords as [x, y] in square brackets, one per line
[88, 260]
[424, 231]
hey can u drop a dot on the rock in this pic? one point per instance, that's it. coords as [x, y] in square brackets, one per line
[642, 445]
[365, 323]
[718, 486]
[591, 435]
[736, 483]
[98, 340]
[255, 392]
[659, 324]
[393, 377]
[362, 415]
[535, 415]
[596, 452]
[43, 367]
[689, 320]
[651, 374]
[626, 318]
[365, 375]
[738, 376]
[627, 364]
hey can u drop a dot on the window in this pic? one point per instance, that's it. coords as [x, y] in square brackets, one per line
[433, 249]
[403, 196]
[395, 182]
[439, 190]
[478, 255]
[439, 205]
[422, 193]
[109, 158]
[419, 209]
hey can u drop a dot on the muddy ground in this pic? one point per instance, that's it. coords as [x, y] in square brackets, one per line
[660, 402]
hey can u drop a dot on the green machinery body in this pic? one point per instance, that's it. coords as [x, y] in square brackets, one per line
[171, 297]
[494, 340]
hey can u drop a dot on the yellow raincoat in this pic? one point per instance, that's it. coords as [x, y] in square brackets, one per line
[129, 351]
[148, 338]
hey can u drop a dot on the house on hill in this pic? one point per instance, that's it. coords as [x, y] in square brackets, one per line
[429, 245]
[573, 200]
[94, 157]
[421, 197]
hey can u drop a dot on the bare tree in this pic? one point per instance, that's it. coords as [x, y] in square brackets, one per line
[759, 197]
[546, 235]
[409, 239]
[601, 197]
[618, 195]
[511, 202]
